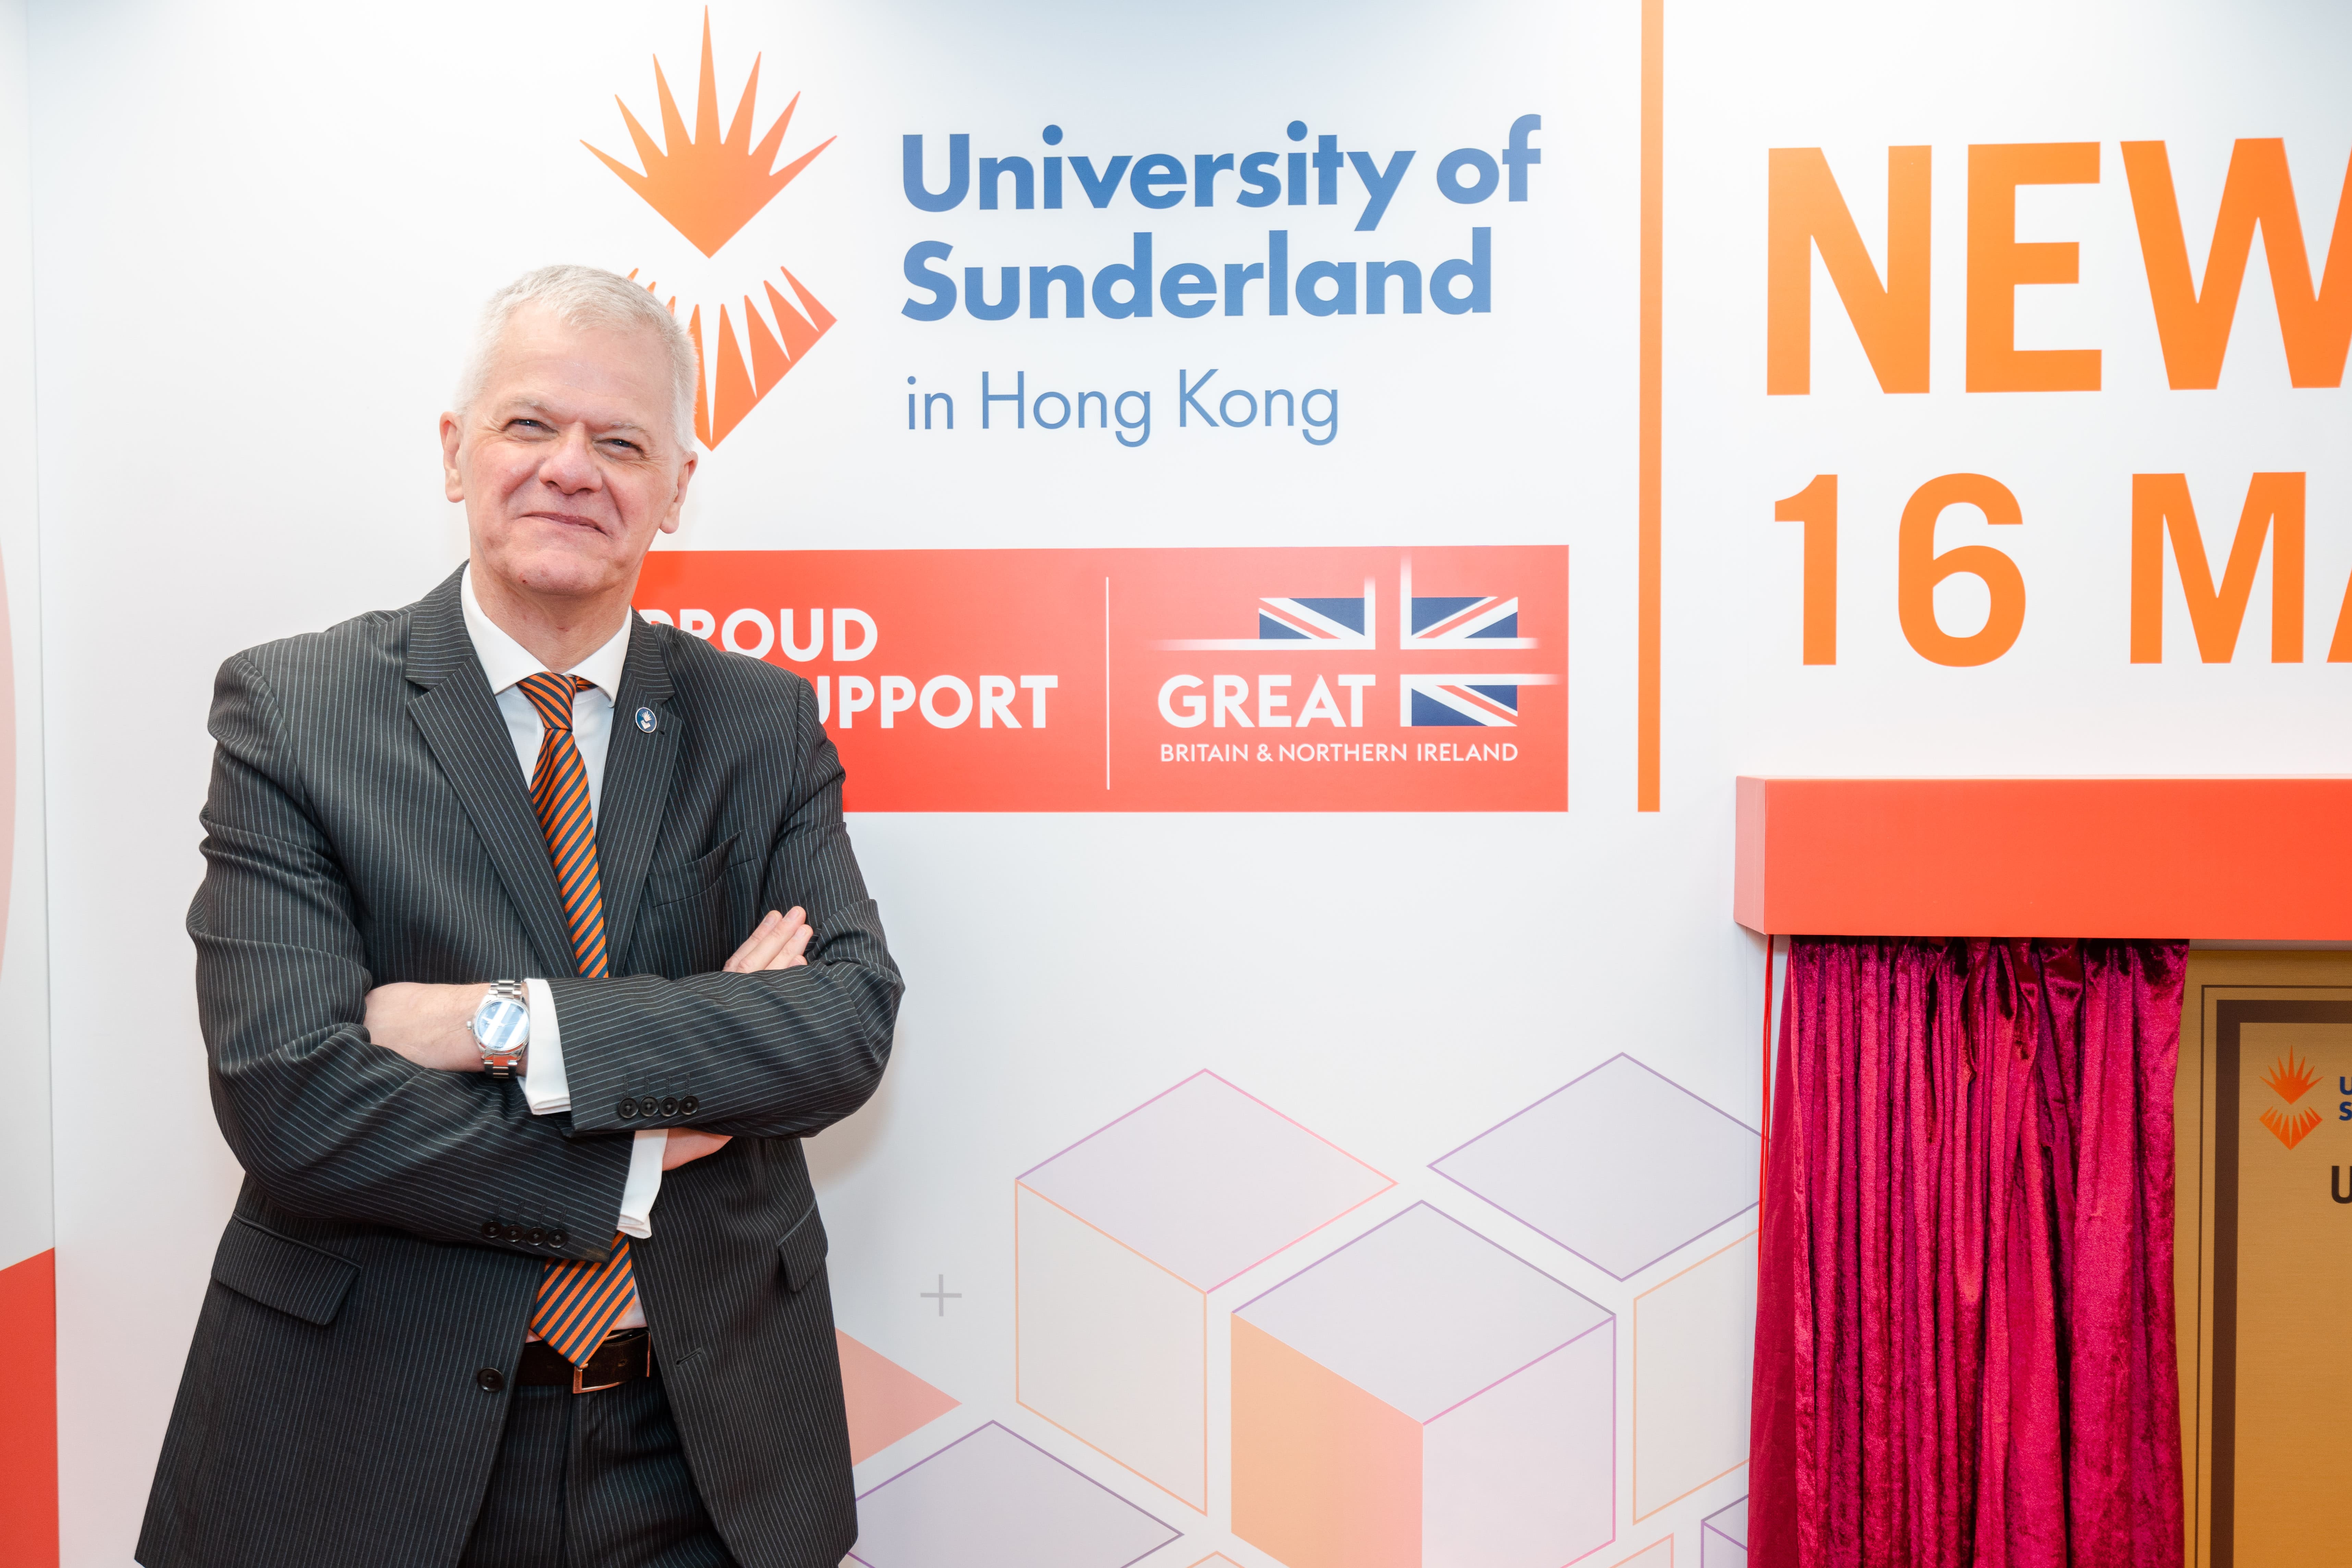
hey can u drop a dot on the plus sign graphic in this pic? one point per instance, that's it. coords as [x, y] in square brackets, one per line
[942, 1295]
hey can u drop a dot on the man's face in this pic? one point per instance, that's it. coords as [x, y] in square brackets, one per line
[568, 462]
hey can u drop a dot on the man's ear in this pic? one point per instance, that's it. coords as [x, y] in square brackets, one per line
[678, 501]
[453, 484]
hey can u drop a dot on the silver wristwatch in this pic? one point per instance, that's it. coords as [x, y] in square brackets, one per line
[502, 1029]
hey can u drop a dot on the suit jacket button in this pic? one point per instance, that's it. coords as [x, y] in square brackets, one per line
[687, 1105]
[556, 1238]
[626, 1111]
[490, 1230]
[490, 1380]
[513, 1233]
[669, 1108]
[536, 1236]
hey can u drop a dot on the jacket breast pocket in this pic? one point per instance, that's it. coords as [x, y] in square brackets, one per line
[801, 1251]
[689, 924]
[298, 1279]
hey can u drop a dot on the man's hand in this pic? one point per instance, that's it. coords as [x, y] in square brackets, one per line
[688, 1144]
[431, 1025]
[776, 943]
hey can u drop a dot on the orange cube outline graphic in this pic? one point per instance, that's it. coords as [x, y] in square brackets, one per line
[1729, 1274]
[1424, 1395]
[1119, 1241]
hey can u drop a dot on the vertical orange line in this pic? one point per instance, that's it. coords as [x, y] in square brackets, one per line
[1017, 1291]
[1654, 137]
[1205, 1401]
[1634, 1416]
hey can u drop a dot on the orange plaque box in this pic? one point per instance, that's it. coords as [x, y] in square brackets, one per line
[2262, 859]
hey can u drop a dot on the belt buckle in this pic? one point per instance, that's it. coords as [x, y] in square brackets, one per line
[579, 1387]
[580, 1372]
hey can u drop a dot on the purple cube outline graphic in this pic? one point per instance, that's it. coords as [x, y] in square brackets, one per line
[1120, 1238]
[1723, 1537]
[1488, 1389]
[1131, 1198]
[992, 1499]
[1694, 1365]
[1621, 1165]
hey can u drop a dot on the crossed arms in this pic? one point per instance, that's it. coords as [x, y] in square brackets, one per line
[431, 1025]
[330, 1120]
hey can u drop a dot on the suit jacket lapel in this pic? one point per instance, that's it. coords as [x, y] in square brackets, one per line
[460, 721]
[638, 764]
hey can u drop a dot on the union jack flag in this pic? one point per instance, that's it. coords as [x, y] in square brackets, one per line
[1488, 700]
[1301, 626]
[1461, 620]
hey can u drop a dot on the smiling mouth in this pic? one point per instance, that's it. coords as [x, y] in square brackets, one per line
[568, 520]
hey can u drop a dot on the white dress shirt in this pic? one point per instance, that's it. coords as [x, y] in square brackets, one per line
[507, 664]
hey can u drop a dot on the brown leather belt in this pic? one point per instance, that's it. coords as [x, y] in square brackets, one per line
[623, 1358]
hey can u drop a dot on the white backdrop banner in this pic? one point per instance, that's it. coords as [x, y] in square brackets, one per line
[28, 1262]
[1232, 474]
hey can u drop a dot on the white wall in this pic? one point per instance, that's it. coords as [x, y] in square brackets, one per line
[25, 1218]
[236, 447]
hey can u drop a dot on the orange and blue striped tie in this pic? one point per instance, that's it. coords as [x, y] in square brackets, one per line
[578, 1302]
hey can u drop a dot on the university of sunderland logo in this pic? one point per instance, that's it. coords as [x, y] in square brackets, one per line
[708, 186]
[2290, 1079]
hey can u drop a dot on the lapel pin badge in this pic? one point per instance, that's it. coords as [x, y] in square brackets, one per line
[647, 720]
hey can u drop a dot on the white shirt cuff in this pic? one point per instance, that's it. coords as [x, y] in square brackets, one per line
[543, 1083]
[548, 1091]
[645, 1182]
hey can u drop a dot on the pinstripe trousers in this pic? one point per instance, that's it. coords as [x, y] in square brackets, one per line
[592, 1480]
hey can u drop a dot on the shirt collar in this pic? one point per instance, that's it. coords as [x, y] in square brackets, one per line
[506, 661]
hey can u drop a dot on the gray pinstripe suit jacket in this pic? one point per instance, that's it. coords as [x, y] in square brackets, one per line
[367, 824]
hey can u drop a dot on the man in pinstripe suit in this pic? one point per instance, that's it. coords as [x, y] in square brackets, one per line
[530, 946]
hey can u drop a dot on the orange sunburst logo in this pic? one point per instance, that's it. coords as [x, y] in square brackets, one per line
[708, 186]
[2290, 1129]
[2290, 1078]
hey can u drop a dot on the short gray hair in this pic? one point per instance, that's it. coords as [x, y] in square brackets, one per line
[587, 296]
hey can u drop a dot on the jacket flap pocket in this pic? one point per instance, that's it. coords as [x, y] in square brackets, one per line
[279, 1271]
[803, 1250]
[669, 884]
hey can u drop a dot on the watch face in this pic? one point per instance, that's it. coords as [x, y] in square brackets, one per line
[502, 1023]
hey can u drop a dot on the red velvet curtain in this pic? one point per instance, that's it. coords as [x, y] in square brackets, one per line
[1963, 1341]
